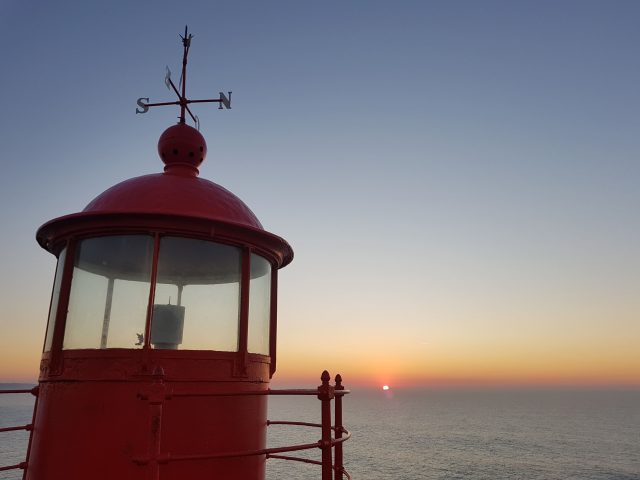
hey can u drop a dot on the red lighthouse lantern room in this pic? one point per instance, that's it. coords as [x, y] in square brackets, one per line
[161, 338]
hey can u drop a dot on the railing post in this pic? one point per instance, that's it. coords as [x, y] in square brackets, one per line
[338, 428]
[35, 391]
[325, 394]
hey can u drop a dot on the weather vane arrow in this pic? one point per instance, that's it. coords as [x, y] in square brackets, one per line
[223, 101]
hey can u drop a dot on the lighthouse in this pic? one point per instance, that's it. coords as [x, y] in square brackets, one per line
[161, 336]
[165, 283]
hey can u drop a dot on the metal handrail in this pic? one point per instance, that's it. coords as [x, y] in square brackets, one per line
[157, 394]
[30, 390]
[28, 427]
[333, 442]
[249, 393]
[167, 458]
[22, 465]
[307, 460]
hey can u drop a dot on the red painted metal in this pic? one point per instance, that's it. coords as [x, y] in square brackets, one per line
[339, 429]
[29, 390]
[13, 429]
[243, 327]
[87, 392]
[12, 467]
[325, 394]
[29, 427]
[157, 458]
[182, 145]
[152, 291]
[55, 360]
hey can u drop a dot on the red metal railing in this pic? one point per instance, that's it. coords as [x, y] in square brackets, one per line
[28, 427]
[327, 444]
[325, 394]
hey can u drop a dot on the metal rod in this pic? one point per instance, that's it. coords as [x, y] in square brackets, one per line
[249, 453]
[325, 395]
[295, 459]
[246, 393]
[106, 319]
[152, 291]
[186, 42]
[12, 429]
[193, 117]
[162, 104]
[243, 324]
[36, 393]
[304, 460]
[174, 89]
[12, 467]
[205, 101]
[60, 319]
[338, 429]
[273, 321]
[301, 424]
[180, 287]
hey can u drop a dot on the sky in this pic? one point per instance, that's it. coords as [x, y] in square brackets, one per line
[459, 180]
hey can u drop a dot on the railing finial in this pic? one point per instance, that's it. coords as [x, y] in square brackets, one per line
[325, 377]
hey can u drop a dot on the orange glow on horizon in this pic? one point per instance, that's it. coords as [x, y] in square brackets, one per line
[442, 368]
[373, 361]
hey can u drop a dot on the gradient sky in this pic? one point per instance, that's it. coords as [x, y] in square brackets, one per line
[460, 181]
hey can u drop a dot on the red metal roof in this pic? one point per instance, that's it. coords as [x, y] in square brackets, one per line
[172, 194]
[174, 200]
[177, 191]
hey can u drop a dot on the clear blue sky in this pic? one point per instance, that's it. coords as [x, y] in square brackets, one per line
[459, 180]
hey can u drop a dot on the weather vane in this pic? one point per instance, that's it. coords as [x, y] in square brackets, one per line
[223, 102]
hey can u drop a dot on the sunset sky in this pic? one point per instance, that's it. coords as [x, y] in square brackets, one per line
[460, 181]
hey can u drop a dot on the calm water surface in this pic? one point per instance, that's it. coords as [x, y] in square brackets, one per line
[491, 434]
[552, 434]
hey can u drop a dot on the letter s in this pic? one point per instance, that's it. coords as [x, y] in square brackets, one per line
[143, 105]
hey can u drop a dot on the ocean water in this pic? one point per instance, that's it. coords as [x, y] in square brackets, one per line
[440, 434]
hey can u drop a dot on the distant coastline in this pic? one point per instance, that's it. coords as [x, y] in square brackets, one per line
[16, 386]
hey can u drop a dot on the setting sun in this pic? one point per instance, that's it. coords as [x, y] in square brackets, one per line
[385, 387]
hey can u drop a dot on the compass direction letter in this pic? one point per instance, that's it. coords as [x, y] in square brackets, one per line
[144, 107]
[224, 100]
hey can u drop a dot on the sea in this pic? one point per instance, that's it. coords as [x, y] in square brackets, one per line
[465, 434]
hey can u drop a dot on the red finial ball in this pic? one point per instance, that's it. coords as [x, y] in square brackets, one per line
[182, 149]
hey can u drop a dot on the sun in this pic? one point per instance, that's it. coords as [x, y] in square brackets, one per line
[385, 387]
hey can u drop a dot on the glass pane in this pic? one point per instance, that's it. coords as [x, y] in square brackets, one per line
[54, 300]
[259, 305]
[109, 292]
[197, 300]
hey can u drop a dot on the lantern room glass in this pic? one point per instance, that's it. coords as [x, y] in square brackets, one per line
[53, 308]
[259, 305]
[196, 301]
[109, 292]
[197, 298]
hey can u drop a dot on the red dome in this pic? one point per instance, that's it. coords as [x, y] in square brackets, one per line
[167, 193]
[176, 200]
[178, 191]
